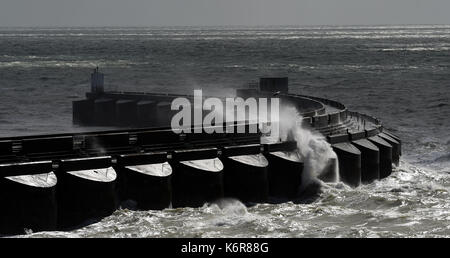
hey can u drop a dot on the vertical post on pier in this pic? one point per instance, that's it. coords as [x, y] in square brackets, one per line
[97, 82]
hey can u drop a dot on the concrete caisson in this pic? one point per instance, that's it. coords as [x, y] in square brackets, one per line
[197, 177]
[28, 197]
[396, 138]
[370, 160]
[396, 152]
[86, 190]
[349, 158]
[285, 174]
[285, 169]
[146, 179]
[246, 173]
[385, 155]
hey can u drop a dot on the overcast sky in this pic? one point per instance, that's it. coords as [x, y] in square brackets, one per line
[221, 12]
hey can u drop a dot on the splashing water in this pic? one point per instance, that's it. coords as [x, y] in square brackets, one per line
[313, 149]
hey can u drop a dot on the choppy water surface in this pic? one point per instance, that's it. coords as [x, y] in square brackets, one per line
[397, 73]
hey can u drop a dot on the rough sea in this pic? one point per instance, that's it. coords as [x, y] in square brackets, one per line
[400, 74]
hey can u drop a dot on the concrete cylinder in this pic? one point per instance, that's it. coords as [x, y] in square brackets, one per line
[104, 112]
[284, 173]
[246, 178]
[126, 112]
[149, 185]
[28, 202]
[146, 113]
[385, 155]
[196, 182]
[86, 190]
[395, 147]
[83, 111]
[370, 160]
[349, 158]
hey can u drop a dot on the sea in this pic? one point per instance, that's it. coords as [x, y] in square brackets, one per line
[399, 74]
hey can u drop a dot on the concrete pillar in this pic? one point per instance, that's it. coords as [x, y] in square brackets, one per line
[196, 182]
[284, 173]
[97, 80]
[385, 155]
[146, 113]
[104, 112]
[146, 179]
[126, 112]
[349, 158]
[83, 112]
[246, 178]
[370, 160]
[28, 201]
[396, 138]
[396, 152]
[86, 190]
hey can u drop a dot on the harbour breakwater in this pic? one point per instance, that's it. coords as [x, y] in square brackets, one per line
[60, 181]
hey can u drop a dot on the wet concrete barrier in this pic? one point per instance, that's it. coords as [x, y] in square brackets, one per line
[146, 179]
[246, 173]
[285, 169]
[86, 190]
[396, 138]
[329, 173]
[28, 197]
[349, 163]
[197, 177]
[385, 155]
[370, 160]
[396, 152]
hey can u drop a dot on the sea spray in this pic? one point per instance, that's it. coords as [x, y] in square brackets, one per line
[312, 147]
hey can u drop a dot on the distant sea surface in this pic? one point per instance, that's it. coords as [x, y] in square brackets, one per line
[400, 74]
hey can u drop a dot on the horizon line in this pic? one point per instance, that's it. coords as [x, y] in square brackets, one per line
[227, 25]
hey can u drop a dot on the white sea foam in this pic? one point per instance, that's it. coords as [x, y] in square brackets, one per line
[313, 149]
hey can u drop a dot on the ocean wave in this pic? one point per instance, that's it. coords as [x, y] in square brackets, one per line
[69, 64]
[416, 49]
